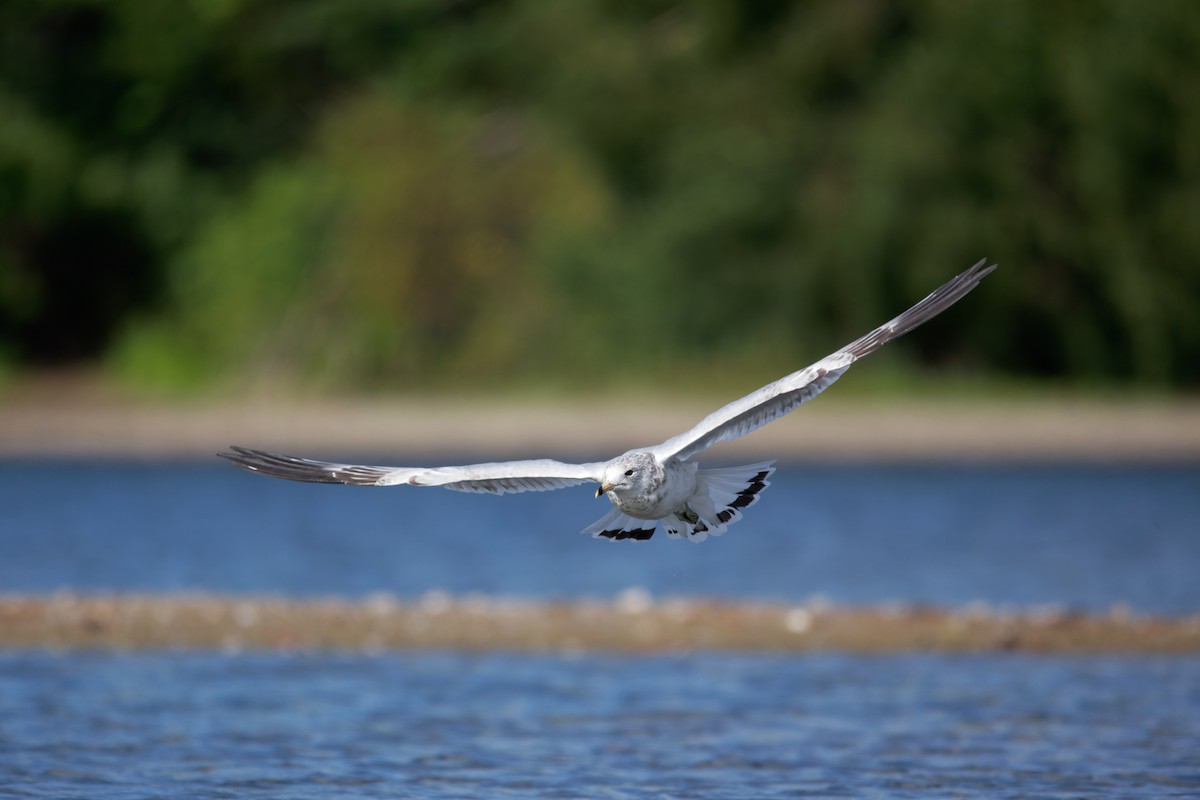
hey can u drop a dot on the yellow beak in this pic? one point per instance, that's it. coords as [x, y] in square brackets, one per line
[604, 489]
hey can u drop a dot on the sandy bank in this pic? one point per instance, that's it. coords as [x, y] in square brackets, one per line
[631, 622]
[59, 420]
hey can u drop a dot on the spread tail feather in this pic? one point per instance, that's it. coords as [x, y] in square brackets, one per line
[617, 527]
[720, 496]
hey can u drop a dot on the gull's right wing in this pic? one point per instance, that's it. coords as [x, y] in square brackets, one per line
[538, 475]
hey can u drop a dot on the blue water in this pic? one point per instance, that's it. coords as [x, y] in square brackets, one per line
[437, 725]
[1084, 537]
[117, 726]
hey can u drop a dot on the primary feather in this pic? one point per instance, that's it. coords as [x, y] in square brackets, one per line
[772, 401]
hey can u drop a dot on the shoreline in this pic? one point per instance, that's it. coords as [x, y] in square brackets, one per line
[63, 425]
[632, 622]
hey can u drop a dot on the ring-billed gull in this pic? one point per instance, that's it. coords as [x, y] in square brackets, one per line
[652, 484]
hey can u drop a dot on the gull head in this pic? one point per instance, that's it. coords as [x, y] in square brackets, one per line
[632, 474]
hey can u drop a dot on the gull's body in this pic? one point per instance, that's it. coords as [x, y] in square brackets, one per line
[651, 484]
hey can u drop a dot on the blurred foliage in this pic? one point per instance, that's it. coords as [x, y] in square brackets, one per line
[401, 193]
[336, 270]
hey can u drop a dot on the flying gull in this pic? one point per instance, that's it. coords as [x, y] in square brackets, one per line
[648, 485]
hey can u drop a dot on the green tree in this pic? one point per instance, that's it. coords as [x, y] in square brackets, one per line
[320, 190]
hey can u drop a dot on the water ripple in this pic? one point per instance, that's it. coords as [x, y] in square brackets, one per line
[114, 726]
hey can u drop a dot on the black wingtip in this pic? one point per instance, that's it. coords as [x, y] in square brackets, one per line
[239, 455]
[931, 306]
[630, 534]
[306, 470]
[244, 457]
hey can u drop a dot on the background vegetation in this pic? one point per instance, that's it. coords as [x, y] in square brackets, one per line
[401, 193]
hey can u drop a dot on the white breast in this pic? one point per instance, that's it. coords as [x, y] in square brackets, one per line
[678, 484]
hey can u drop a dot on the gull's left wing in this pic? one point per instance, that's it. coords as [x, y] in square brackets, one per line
[538, 475]
[772, 401]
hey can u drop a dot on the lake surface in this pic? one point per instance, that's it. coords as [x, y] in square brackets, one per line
[437, 725]
[117, 726]
[1084, 537]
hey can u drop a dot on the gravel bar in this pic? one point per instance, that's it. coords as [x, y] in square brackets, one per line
[633, 621]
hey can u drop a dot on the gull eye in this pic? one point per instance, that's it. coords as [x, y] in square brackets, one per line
[628, 472]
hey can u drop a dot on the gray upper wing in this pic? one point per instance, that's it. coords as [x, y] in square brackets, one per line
[504, 477]
[776, 399]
